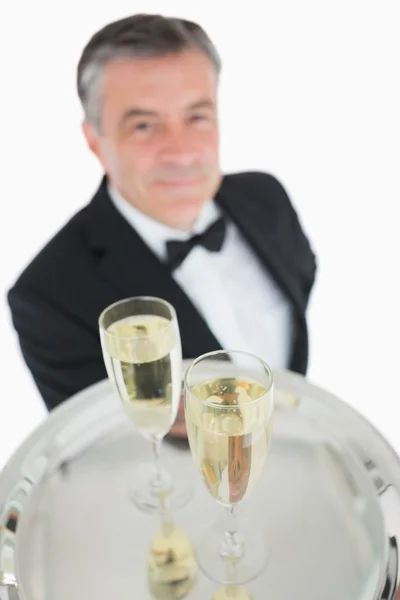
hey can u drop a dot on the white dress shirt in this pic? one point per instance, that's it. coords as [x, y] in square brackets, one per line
[231, 289]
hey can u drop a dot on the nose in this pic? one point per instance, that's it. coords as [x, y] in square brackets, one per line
[178, 147]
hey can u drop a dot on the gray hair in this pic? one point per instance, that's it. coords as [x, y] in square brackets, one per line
[137, 36]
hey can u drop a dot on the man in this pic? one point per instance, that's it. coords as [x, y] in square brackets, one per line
[148, 87]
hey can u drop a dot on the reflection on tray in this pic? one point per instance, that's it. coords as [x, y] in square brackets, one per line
[284, 399]
[172, 567]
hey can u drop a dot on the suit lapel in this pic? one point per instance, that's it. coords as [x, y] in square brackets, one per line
[126, 261]
[259, 224]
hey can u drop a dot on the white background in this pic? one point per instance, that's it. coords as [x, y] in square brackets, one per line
[309, 92]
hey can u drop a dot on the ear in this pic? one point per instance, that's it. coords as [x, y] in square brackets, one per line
[92, 140]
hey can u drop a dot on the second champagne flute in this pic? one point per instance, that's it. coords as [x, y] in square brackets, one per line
[142, 352]
[229, 407]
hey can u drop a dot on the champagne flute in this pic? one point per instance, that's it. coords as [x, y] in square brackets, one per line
[228, 409]
[142, 352]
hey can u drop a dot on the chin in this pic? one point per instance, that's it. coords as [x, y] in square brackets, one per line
[183, 212]
[186, 201]
[188, 210]
[197, 192]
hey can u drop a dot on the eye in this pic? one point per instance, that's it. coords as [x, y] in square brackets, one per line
[142, 126]
[198, 117]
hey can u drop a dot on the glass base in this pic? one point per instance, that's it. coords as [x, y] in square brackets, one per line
[235, 571]
[152, 494]
[235, 592]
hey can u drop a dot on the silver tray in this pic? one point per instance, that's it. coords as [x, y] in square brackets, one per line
[328, 502]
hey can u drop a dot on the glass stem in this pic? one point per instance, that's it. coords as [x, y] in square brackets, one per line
[160, 485]
[161, 482]
[167, 524]
[156, 445]
[231, 547]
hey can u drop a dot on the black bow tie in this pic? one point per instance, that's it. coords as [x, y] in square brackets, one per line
[212, 239]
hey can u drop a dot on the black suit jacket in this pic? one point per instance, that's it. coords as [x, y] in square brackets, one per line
[97, 259]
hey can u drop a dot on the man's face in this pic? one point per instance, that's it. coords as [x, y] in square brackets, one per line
[159, 134]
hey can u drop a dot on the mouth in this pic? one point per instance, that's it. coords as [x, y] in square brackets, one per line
[178, 183]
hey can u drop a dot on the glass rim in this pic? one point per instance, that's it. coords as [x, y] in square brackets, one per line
[215, 353]
[125, 301]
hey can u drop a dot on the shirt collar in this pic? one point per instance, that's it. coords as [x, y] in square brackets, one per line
[154, 233]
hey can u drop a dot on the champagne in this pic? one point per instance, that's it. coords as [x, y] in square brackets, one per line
[229, 428]
[172, 565]
[143, 360]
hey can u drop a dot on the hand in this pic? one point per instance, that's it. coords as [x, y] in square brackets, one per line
[178, 429]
